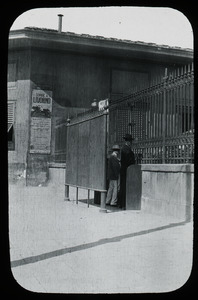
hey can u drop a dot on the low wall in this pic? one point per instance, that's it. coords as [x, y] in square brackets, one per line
[57, 175]
[17, 173]
[37, 169]
[167, 190]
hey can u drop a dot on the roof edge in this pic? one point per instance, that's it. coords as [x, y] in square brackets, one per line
[38, 30]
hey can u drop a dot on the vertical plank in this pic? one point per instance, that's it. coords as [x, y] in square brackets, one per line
[158, 113]
[76, 195]
[164, 117]
[161, 114]
[179, 106]
[149, 119]
[84, 164]
[67, 192]
[103, 194]
[171, 110]
[174, 104]
[188, 99]
[154, 114]
[167, 111]
[182, 103]
[88, 197]
[192, 106]
[143, 119]
[72, 155]
[97, 152]
[184, 97]
[177, 102]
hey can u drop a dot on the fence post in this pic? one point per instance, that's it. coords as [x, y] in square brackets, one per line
[66, 185]
[67, 192]
[103, 194]
[164, 118]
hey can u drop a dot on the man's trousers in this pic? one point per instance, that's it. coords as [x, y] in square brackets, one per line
[112, 193]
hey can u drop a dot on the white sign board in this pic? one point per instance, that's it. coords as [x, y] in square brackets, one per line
[40, 125]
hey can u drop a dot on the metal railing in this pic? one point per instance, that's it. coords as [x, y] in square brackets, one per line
[159, 117]
[60, 141]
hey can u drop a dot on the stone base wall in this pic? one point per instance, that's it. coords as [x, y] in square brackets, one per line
[167, 190]
[57, 175]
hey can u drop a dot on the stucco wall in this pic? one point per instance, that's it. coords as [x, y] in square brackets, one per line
[77, 79]
[167, 190]
[19, 93]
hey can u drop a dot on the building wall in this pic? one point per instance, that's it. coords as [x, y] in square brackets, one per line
[19, 94]
[75, 80]
[78, 79]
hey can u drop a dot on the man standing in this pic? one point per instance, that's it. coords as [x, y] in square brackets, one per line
[113, 176]
[127, 159]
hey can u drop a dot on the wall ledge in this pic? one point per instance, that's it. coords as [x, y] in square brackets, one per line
[57, 165]
[169, 168]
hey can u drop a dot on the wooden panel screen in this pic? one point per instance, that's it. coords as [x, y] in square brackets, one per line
[86, 153]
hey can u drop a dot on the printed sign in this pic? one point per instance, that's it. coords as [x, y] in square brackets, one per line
[40, 126]
[103, 104]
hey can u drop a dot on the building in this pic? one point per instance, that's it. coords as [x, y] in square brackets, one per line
[53, 75]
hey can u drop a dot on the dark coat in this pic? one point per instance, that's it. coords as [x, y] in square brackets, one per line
[127, 157]
[113, 168]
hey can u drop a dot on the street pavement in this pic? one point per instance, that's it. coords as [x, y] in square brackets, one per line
[59, 246]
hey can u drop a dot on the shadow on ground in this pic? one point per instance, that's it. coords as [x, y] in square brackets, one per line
[44, 256]
[108, 207]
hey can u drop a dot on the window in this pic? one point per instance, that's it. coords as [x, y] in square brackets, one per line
[10, 125]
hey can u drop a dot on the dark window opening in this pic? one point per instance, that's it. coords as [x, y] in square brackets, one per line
[10, 126]
[10, 137]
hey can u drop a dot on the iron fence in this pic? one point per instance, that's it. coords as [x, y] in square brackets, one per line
[60, 141]
[159, 117]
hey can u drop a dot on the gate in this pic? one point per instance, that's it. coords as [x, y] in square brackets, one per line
[86, 154]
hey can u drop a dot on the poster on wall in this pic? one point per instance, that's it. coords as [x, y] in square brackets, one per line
[40, 125]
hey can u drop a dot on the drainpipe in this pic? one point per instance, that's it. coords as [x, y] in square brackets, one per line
[60, 23]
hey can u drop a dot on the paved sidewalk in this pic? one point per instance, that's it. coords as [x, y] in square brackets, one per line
[57, 246]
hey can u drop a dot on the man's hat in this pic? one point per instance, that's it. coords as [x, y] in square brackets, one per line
[128, 137]
[116, 147]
